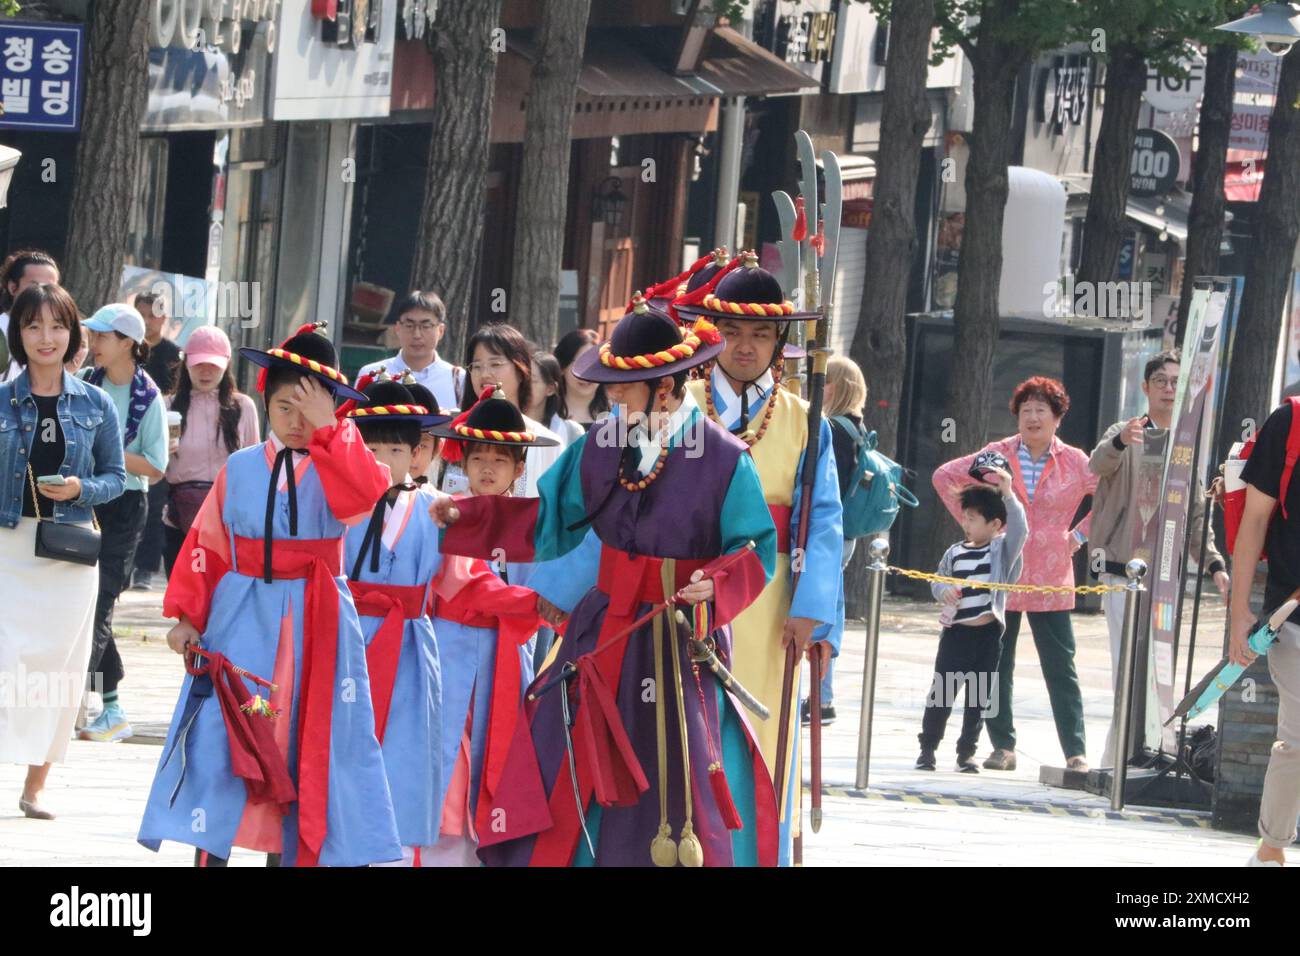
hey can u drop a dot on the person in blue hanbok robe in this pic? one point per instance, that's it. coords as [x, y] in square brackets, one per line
[391, 561]
[258, 590]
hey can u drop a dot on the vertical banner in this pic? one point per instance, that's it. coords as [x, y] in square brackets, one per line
[1193, 417]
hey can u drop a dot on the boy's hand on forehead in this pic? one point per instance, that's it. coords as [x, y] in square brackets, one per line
[314, 401]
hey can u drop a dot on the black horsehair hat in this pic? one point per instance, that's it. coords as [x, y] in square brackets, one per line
[389, 400]
[647, 345]
[422, 395]
[492, 420]
[742, 291]
[306, 352]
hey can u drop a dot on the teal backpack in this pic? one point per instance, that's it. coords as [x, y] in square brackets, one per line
[875, 494]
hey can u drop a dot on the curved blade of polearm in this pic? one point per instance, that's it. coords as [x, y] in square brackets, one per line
[788, 275]
[833, 210]
[808, 190]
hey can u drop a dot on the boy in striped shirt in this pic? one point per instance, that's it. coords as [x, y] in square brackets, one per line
[993, 521]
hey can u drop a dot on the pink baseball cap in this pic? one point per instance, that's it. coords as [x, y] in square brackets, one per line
[207, 343]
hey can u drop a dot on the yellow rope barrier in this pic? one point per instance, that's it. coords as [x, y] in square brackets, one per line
[1018, 588]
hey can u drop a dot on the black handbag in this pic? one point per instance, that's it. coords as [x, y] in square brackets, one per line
[64, 542]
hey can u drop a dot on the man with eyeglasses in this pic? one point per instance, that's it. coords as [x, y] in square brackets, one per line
[421, 321]
[1115, 512]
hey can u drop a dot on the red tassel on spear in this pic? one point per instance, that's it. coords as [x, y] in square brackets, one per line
[800, 231]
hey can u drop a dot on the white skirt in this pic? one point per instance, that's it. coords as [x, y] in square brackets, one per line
[47, 615]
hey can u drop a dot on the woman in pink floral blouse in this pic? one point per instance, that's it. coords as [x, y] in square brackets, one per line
[1051, 479]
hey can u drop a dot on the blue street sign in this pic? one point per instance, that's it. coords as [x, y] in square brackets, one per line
[40, 75]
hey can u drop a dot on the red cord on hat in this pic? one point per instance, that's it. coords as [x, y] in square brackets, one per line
[696, 297]
[669, 287]
[305, 327]
[364, 382]
[453, 450]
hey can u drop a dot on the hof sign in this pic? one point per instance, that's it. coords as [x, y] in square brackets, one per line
[40, 75]
[1155, 163]
[1173, 94]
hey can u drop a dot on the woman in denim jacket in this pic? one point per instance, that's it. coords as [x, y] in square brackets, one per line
[51, 424]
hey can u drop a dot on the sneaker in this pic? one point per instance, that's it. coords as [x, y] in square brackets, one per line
[1001, 760]
[926, 761]
[828, 714]
[142, 581]
[966, 763]
[1256, 861]
[109, 726]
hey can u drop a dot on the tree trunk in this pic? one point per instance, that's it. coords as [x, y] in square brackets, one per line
[1103, 230]
[451, 218]
[1268, 273]
[975, 312]
[108, 151]
[880, 343]
[1205, 221]
[542, 204]
[976, 321]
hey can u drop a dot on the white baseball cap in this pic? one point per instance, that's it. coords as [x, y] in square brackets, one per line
[117, 317]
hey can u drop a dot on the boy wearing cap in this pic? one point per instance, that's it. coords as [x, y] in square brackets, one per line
[484, 628]
[391, 561]
[117, 343]
[973, 619]
[259, 590]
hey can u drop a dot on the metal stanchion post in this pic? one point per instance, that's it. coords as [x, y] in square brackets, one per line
[878, 550]
[1136, 571]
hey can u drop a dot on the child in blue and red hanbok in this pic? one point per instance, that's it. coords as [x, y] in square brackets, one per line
[484, 626]
[391, 560]
[258, 590]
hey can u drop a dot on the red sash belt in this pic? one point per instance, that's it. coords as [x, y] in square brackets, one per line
[781, 515]
[632, 581]
[608, 764]
[396, 604]
[487, 601]
[319, 561]
[254, 756]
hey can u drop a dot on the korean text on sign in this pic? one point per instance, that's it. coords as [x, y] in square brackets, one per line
[40, 74]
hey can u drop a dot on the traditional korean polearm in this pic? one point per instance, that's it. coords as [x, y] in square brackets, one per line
[1224, 674]
[817, 239]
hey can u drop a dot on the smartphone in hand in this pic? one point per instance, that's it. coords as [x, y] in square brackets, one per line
[51, 480]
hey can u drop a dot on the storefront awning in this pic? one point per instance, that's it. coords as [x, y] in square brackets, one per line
[737, 66]
[626, 84]
[1168, 214]
[858, 174]
[634, 63]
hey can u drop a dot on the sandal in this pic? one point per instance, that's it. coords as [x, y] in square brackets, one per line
[1001, 760]
[33, 810]
[1077, 764]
